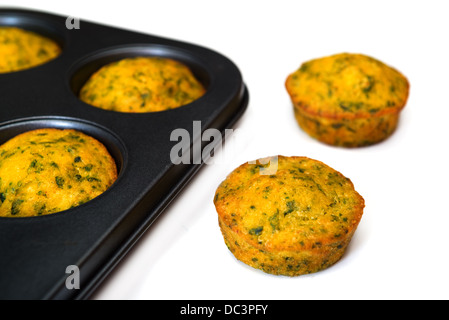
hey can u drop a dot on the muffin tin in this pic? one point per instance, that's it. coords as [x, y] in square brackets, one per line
[35, 252]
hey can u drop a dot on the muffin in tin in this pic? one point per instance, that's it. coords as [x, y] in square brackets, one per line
[294, 220]
[50, 170]
[22, 49]
[348, 100]
[142, 84]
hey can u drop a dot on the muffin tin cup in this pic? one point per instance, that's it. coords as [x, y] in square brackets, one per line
[95, 236]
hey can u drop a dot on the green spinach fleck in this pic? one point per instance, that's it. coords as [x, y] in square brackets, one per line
[256, 231]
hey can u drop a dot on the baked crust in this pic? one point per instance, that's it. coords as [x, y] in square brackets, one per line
[50, 170]
[297, 220]
[142, 84]
[348, 100]
[21, 49]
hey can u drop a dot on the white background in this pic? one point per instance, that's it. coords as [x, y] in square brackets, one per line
[400, 250]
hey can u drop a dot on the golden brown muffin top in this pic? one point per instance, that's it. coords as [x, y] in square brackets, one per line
[142, 84]
[50, 170]
[22, 49]
[302, 204]
[347, 86]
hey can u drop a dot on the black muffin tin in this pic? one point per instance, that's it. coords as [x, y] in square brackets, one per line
[35, 252]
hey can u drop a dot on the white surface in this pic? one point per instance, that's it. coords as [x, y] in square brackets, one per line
[400, 250]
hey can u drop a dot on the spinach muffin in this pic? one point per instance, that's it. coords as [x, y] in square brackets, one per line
[142, 84]
[294, 220]
[50, 170]
[21, 49]
[348, 100]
